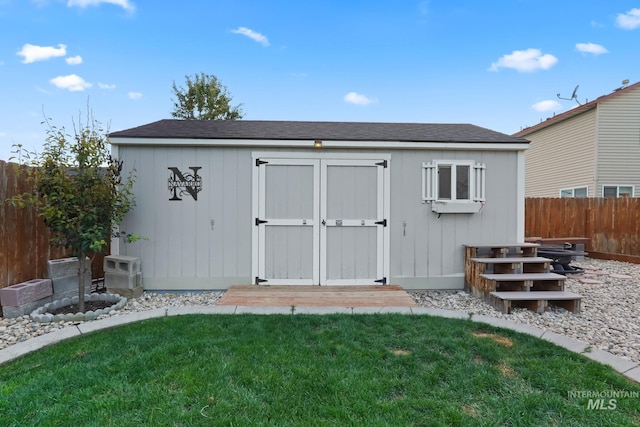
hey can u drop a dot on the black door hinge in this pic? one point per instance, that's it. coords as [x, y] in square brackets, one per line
[382, 163]
[383, 281]
[261, 162]
[259, 280]
[260, 221]
[382, 223]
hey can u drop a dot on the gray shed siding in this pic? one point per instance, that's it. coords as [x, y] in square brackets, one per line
[562, 156]
[619, 141]
[206, 244]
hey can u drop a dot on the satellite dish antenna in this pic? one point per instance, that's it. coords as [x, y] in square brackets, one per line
[574, 96]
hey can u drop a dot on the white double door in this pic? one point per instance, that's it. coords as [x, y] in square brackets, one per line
[320, 221]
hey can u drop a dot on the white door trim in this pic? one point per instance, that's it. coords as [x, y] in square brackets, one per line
[331, 222]
[319, 158]
[259, 229]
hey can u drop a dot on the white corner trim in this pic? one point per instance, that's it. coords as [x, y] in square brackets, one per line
[520, 196]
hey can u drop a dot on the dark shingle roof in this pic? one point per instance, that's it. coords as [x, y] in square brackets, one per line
[327, 131]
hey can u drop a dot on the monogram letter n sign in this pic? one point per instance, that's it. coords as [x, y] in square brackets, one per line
[181, 184]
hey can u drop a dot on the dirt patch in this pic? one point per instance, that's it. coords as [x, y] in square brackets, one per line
[507, 371]
[496, 338]
[470, 410]
[400, 352]
[477, 360]
[88, 306]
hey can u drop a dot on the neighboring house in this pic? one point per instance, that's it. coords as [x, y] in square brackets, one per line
[317, 203]
[592, 150]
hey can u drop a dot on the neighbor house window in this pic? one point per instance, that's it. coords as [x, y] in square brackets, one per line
[453, 181]
[617, 190]
[578, 192]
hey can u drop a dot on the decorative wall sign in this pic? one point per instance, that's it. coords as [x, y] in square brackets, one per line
[185, 183]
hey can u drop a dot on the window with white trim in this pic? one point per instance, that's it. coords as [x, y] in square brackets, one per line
[577, 192]
[455, 186]
[617, 191]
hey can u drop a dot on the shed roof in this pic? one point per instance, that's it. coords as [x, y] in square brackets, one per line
[326, 131]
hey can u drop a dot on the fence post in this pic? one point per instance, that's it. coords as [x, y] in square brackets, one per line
[588, 228]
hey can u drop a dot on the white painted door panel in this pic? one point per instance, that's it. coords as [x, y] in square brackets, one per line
[320, 221]
[352, 211]
[288, 222]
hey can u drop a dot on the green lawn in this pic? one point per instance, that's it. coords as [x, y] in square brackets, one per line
[335, 370]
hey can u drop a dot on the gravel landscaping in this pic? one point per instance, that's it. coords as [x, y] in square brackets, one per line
[610, 317]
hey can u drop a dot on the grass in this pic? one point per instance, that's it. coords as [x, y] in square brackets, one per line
[336, 370]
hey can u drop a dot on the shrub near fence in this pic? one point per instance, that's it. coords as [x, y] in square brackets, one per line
[612, 224]
[24, 238]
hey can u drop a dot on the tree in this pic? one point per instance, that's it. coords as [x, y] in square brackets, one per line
[79, 191]
[204, 98]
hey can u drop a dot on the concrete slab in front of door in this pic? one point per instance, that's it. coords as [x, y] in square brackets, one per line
[317, 296]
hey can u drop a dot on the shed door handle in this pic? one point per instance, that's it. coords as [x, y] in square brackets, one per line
[324, 222]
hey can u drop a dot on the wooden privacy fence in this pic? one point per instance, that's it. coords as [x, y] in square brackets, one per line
[611, 223]
[24, 238]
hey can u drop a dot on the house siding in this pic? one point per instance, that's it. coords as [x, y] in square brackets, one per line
[562, 156]
[206, 244]
[619, 141]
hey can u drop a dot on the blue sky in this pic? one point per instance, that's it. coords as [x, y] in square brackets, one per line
[497, 64]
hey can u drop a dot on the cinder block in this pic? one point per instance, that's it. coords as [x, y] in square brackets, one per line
[121, 264]
[25, 292]
[69, 283]
[11, 312]
[126, 292]
[65, 267]
[122, 281]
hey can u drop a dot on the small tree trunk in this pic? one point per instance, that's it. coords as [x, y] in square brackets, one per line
[82, 268]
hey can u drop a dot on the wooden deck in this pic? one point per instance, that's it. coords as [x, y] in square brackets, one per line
[317, 296]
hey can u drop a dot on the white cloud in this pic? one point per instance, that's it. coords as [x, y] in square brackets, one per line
[525, 60]
[106, 86]
[125, 4]
[358, 99]
[629, 20]
[33, 53]
[257, 37]
[596, 49]
[2, 134]
[74, 60]
[135, 95]
[548, 105]
[72, 82]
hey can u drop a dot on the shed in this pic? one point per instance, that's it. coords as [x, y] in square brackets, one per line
[317, 203]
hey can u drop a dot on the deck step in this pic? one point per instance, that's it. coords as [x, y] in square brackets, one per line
[510, 265]
[537, 300]
[524, 282]
[524, 276]
[513, 260]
